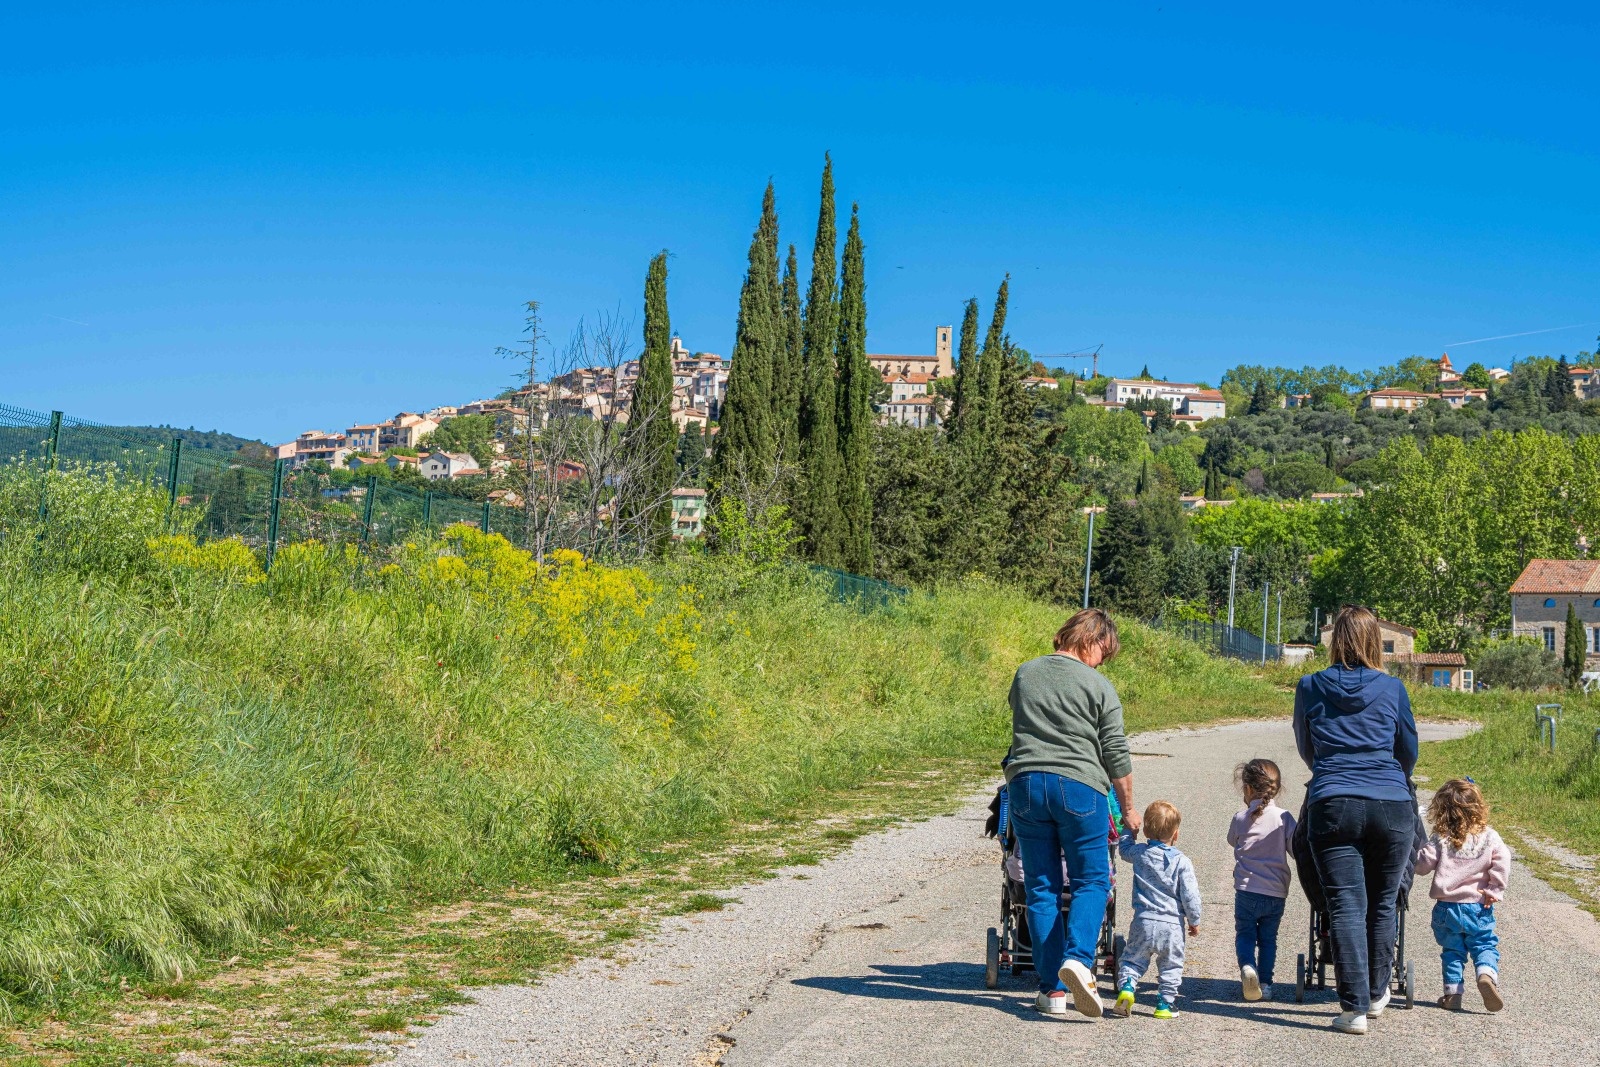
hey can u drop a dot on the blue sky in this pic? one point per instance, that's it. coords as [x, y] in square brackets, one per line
[275, 217]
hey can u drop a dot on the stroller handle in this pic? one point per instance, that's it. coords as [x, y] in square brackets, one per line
[1005, 811]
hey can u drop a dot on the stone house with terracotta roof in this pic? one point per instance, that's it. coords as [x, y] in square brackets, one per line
[1539, 599]
[1441, 670]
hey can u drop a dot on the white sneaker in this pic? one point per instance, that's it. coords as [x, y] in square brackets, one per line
[1080, 983]
[1375, 1009]
[1051, 1004]
[1350, 1022]
[1251, 982]
[1266, 991]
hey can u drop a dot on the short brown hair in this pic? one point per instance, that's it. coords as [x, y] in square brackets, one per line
[1357, 641]
[1086, 628]
[1161, 821]
[1458, 811]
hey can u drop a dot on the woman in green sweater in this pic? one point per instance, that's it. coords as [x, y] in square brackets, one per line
[1068, 750]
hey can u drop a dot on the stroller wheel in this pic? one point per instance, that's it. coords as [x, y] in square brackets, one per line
[991, 963]
[1411, 985]
[1300, 978]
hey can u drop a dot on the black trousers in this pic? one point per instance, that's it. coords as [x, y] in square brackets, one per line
[1361, 848]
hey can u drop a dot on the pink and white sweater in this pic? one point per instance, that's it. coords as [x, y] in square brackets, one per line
[1463, 875]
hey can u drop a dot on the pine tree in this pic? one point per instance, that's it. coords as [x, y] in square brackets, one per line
[1144, 372]
[989, 365]
[789, 368]
[1575, 650]
[1143, 483]
[855, 404]
[651, 437]
[966, 372]
[819, 519]
[746, 442]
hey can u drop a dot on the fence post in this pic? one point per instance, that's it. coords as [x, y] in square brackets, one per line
[51, 447]
[172, 476]
[272, 514]
[55, 438]
[486, 517]
[366, 514]
[1088, 557]
[427, 511]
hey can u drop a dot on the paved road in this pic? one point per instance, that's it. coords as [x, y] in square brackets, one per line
[877, 958]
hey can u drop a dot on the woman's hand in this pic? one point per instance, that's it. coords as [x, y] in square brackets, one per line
[1131, 820]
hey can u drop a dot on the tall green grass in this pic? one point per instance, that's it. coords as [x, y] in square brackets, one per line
[1554, 794]
[190, 753]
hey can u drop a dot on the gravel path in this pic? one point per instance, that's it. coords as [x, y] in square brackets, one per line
[876, 957]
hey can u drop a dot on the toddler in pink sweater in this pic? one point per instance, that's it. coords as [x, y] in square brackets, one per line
[1470, 866]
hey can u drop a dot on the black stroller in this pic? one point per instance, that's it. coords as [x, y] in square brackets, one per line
[1011, 944]
[1311, 966]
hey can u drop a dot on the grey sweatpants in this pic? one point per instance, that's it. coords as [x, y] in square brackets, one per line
[1157, 942]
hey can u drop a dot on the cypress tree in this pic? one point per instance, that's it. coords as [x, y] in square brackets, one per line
[854, 404]
[651, 437]
[1575, 649]
[787, 372]
[819, 518]
[989, 365]
[966, 371]
[1558, 386]
[746, 437]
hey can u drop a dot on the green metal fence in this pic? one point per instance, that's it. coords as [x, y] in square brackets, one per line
[260, 500]
[855, 588]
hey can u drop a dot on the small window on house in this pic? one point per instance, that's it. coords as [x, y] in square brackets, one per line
[1441, 679]
[1549, 601]
[1388, 648]
[1594, 642]
[1550, 638]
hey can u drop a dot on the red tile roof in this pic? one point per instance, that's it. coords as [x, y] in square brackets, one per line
[1434, 659]
[1559, 576]
[1214, 395]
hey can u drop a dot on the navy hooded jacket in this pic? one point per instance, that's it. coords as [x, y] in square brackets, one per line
[1354, 729]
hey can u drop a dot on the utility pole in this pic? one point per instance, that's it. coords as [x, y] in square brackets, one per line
[1088, 557]
[1265, 587]
[1233, 572]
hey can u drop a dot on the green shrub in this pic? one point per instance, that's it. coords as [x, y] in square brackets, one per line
[1518, 663]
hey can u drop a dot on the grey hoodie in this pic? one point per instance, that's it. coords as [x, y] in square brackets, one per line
[1164, 886]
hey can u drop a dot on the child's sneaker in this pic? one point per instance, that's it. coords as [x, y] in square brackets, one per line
[1251, 982]
[1450, 1002]
[1489, 990]
[1124, 1005]
[1266, 991]
[1165, 1010]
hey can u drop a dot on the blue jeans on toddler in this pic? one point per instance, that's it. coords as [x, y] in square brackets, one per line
[1255, 931]
[1464, 930]
[1055, 816]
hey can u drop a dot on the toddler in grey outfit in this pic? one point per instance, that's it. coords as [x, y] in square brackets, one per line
[1166, 899]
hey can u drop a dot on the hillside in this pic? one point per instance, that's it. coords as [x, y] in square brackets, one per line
[194, 753]
[24, 432]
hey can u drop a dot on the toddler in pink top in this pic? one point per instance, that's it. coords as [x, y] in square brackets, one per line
[1260, 836]
[1470, 866]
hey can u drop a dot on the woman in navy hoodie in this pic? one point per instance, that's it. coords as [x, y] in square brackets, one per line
[1353, 726]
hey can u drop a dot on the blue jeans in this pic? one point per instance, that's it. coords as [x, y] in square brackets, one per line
[1361, 848]
[1255, 931]
[1464, 930]
[1055, 817]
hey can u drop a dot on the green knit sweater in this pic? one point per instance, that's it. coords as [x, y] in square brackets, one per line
[1067, 719]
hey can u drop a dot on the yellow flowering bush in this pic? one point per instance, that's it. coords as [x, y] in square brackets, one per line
[229, 560]
[594, 622]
